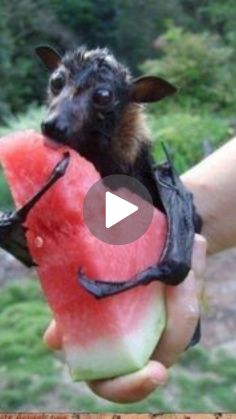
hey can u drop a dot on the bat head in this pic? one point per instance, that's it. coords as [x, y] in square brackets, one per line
[88, 94]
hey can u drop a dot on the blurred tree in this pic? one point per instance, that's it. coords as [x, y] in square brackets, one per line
[200, 65]
[92, 22]
[216, 16]
[128, 27]
[138, 24]
[221, 18]
[25, 24]
[104, 30]
[5, 67]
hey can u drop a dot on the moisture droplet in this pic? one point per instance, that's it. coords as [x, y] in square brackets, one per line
[38, 242]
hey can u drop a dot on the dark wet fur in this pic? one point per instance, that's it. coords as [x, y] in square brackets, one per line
[78, 64]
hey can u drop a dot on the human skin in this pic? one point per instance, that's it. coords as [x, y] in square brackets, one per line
[212, 183]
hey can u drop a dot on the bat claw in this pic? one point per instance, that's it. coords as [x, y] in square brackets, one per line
[196, 336]
[61, 166]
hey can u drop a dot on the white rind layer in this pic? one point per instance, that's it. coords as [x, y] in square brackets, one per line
[110, 358]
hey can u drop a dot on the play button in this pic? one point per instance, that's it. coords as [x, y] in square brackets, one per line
[118, 209]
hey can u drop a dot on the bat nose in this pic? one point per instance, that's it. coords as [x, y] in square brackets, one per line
[52, 128]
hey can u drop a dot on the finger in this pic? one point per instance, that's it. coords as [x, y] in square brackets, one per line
[131, 387]
[168, 354]
[52, 336]
[182, 317]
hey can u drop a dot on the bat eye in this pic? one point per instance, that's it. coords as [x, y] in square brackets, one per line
[57, 83]
[102, 97]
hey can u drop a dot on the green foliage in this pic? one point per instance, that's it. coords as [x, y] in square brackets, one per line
[92, 22]
[129, 28]
[186, 134]
[29, 120]
[200, 65]
[220, 17]
[137, 26]
[23, 357]
[6, 202]
[25, 24]
[199, 116]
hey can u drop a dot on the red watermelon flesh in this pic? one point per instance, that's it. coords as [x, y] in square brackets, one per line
[101, 338]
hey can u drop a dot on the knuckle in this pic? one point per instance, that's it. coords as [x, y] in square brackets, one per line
[191, 314]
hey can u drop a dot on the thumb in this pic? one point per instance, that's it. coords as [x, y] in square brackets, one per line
[131, 387]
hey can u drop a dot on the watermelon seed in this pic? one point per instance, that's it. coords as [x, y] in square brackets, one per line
[38, 242]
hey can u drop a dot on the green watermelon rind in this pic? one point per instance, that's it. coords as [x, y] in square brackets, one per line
[119, 356]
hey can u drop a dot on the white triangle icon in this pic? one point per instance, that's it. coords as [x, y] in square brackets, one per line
[117, 209]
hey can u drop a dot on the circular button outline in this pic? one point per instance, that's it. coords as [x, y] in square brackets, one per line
[130, 228]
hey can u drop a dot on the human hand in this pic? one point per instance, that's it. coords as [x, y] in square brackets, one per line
[182, 317]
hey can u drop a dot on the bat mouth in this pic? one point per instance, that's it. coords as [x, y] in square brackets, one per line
[55, 135]
[52, 143]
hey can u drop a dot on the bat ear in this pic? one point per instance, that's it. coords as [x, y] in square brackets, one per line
[150, 89]
[48, 56]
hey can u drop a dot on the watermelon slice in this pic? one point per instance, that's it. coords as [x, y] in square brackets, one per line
[101, 338]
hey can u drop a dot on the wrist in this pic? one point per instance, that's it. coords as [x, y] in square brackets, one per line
[212, 183]
[203, 198]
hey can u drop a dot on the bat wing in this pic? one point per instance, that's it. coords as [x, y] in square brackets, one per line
[182, 221]
[12, 230]
[13, 239]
